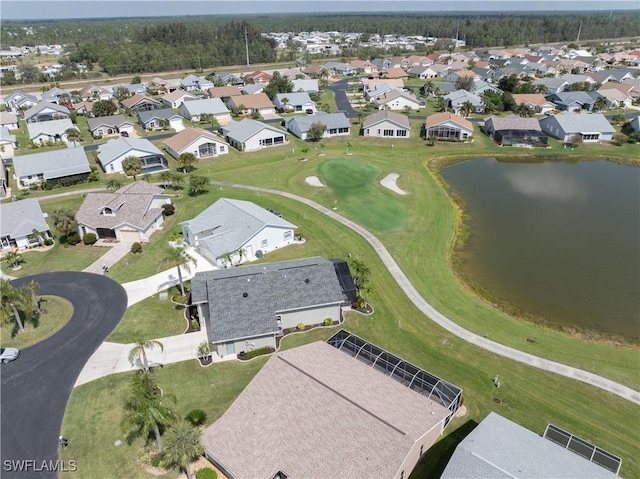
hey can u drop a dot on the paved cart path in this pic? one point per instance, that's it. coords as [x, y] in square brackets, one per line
[448, 324]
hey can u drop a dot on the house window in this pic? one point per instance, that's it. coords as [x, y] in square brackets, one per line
[402, 474]
[421, 449]
[287, 235]
[401, 132]
[387, 133]
[264, 243]
[345, 130]
[111, 167]
[278, 140]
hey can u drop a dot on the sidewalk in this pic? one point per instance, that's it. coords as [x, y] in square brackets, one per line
[114, 252]
[112, 358]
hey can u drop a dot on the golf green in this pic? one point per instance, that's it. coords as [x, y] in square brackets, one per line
[355, 186]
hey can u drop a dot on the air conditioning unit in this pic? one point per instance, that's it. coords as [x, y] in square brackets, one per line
[259, 253]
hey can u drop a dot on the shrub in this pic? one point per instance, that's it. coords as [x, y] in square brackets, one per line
[194, 322]
[196, 417]
[48, 242]
[89, 239]
[168, 209]
[258, 352]
[300, 327]
[206, 473]
[136, 248]
[328, 321]
[178, 298]
[73, 238]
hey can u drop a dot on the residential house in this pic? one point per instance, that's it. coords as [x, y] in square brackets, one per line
[394, 73]
[250, 135]
[93, 92]
[45, 111]
[227, 78]
[381, 427]
[382, 63]
[513, 130]
[600, 78]
[386, 124]
[57, 95]
[111, 154]
[4, 184]
[9, 120]
[83, 108]
[398, 100]
[157, 119]
[130, 89]
[336, 124]
[635, 123]
[158, 86]
[621, 74]
[59, 166]
[224, 92]
[177, 98]
[339, 68]
[628, 87]
[456, 75]
[201, 143]
[268, 298]
[8, 143]
[195, 109]
[363, 66]
[373, 83]
[536, 101]
[574, 78]
[422, 72]
[615, 98]
[307, 85]
[251, 89]
[259, 77]
[229, 227]
[137, 103]
[456, 99]
[50, 131]
[589, 128]
[438, 88]
[249, 104]
[479, 87]
[132, 213]
[195, 83]
[553, 85]
[314, 70]
[19, 220]
[498, 447]
[295, 102]
[20, 101]
[109, 125]
[572, 100]
[448, 126]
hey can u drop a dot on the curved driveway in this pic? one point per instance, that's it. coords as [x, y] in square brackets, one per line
[35, 388]
[415, 297]
[339, 90]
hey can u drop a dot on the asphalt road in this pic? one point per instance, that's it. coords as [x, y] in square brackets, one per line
[339, 90]
[35, 388]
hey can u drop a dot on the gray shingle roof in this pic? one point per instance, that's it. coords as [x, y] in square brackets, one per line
[270, 288]
[512, 122]
[580, 123]
[252, 88]
[114, 121]
[211, 106]
[294, 98]
[5, 135]
[53, 164]
[34, 110]
[397, 118]
[20, 218]
[162, 114]
[115, 148]
[51, 128]
[232, 223]
[330, 120]
[245, 129]
[498, 448]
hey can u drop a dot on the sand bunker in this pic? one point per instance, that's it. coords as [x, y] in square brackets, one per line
[314, 181]
[389, 182]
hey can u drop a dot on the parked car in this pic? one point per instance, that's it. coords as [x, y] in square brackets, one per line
[8, 354]
[125, 134]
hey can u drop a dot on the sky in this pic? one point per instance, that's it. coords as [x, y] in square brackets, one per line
[53, 9]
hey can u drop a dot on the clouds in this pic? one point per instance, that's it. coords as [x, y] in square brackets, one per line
[544, 181]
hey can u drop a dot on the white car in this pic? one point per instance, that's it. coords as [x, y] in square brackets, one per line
[8, 354]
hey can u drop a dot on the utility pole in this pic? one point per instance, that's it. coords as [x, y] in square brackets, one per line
[246, 44]
[579, 30]
[457, 33]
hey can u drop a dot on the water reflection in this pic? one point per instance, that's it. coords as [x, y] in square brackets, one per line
[545, 181]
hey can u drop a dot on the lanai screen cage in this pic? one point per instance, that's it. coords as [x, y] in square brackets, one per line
[436, 389]
[520, 137]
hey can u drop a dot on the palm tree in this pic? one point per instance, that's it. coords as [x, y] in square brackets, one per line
[241, 253]
[441, 104]
[64, 221]
[132, 166]
[186, 161]
[180, 259]
[428, 86]
[467, 108]
[166, 177]
[113, 185]
[227, 258]
[285, 102]
[138, 352]
[13, 259]
[182, 446]
[147, 408]
[15, 298]
[600, 104]
[524, 111]
[73, 135]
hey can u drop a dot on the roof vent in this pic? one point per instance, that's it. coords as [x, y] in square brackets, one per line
[307, 280]
[245, 295]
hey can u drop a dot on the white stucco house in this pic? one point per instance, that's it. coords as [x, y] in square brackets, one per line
[229, 227]
[589, 127]
[130, 214]
[111, 154]
[50, 131]
[194, 109]
[337, 124]
[251, 135]
[386, 124]
[68, 165]
[19, 220]
[200, 142]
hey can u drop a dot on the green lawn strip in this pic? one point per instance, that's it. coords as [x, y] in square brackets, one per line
[56, 312]
[92, 421]
[150, 318]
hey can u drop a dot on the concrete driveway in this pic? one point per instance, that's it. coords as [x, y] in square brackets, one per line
[339, 90]
[35, 388]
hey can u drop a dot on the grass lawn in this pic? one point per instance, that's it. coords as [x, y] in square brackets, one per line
[150, 318]
[56, 313]
[92, 421]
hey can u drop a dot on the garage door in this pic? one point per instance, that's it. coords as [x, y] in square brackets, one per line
[176, 124]
[129, 236]
[106, 233]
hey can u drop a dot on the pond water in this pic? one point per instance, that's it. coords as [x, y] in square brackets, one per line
[560, 240]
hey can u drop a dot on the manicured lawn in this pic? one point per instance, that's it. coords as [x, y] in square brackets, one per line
[93, 418]
[56, 313]
[58, 258]
[355, 186]
[150, 318]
